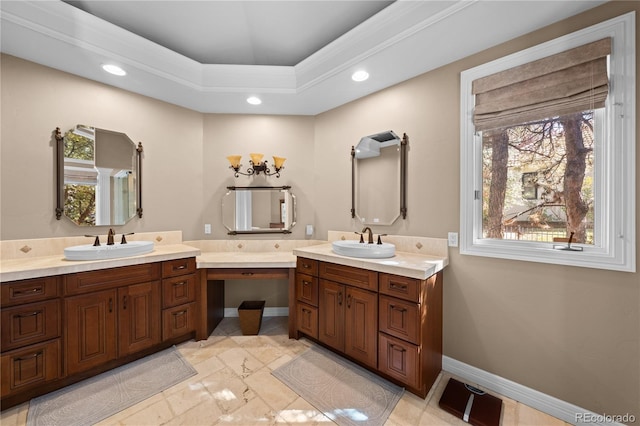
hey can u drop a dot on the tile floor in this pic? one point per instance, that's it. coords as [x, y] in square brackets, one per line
[234, 385]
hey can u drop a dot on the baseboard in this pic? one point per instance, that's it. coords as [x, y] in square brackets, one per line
[547, 404]
[268, 312]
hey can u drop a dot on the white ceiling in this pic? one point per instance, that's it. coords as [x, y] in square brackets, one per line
[297, 56]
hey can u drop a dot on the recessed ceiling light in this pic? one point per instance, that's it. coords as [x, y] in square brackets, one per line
[361, 75]
[254, 100]
[114, 69]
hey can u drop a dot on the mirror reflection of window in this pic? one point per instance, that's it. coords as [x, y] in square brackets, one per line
[99, 178]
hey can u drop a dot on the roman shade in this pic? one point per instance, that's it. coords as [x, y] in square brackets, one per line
[571, 81]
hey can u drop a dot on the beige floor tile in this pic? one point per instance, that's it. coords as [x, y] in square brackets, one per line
[234, 386]
[272, 391]
[527, 416]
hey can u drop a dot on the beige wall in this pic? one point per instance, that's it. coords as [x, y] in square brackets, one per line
[36, 100]
[569, 332]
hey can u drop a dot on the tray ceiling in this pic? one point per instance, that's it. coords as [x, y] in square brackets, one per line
[297, 56]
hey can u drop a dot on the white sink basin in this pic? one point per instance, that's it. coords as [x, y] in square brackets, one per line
[89, 252]
[363, 250]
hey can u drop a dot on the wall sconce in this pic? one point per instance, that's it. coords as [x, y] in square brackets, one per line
[257, 165]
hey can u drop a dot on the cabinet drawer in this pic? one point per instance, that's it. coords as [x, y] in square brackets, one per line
[349, 275]
[307, 289]
[30, 367]
[307, 266]
[26, 291]
[399, 359]
[307, 319]
[402, 287]
[178, 321]
[28, 324]
[178, 290]
[399, 318]
[176, 267]
[85, 282]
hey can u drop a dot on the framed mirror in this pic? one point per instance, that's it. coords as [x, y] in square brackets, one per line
[98, 177]
[378, 179]
[258, 210]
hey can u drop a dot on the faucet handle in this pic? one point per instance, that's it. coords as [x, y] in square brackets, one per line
[124, 240]
[96, 242]
[379, 239]
[361, 237]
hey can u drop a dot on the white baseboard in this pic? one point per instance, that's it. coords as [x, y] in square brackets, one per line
[547, 404]
[268, 312]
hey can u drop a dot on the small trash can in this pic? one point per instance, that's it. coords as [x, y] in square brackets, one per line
[250, 313]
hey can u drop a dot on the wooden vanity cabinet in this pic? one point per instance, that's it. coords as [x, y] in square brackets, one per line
[178, 298]
[31, 330]
[59, 330]
[105, 319]
[410, 324]
[389, 323]
[306, 296]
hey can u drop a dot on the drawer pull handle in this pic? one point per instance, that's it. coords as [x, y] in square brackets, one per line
[26, 358]
[305, 282]
[306, 311]
[32, 314]
[180, 283]
[400, 309]
[398, 286]
[306, 266]
[30, 291]
[175, 314]
[400, 348]
[177, 268]
[248, 274]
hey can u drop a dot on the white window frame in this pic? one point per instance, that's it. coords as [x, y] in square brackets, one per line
[614, 174]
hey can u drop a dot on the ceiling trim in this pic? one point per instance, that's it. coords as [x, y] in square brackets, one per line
[399, 42]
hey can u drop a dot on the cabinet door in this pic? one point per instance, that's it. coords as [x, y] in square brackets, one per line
[331, 314]
[361, 326]
[91, 330]
[139, 311]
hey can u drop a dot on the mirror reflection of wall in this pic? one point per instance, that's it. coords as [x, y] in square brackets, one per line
[377, 179]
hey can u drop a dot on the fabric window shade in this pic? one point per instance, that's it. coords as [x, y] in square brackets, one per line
[568, 82]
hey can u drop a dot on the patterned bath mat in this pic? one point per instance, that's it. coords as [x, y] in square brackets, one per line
[95, 399]
[343, 391]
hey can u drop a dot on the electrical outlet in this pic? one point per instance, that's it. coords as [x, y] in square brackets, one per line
[207, 228]
[453, 239]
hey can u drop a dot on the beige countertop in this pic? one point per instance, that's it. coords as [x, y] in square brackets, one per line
[34, 267]
[411, 265]
[416, 257]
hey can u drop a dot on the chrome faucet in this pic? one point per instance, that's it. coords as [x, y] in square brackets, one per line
[110, 236]
[370, 239]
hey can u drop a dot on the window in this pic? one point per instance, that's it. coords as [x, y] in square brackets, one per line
[552, 178]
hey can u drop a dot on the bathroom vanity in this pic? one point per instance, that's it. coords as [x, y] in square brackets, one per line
[65, 321]
[384, 314]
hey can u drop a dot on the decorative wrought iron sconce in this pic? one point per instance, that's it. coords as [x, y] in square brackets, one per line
[257, 165]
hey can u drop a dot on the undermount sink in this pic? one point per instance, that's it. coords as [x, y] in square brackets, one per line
[354, 248]
[90, 252]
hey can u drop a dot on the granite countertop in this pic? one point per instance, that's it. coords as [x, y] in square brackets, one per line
[412, 265]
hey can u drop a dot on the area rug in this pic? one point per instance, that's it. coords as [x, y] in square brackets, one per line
[343, 391]
[95, 399]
